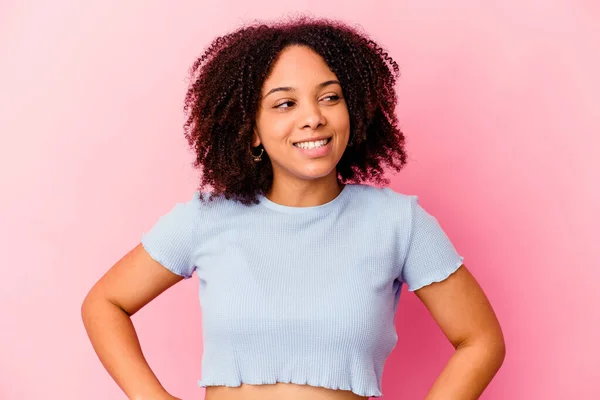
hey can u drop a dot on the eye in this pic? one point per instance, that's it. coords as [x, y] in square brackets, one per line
[282, 103]
[333, 97]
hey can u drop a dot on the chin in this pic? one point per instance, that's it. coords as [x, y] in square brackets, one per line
[316, 173]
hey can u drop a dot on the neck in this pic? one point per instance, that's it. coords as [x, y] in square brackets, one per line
[305, 193]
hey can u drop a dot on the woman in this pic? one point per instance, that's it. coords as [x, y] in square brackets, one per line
[300, 264]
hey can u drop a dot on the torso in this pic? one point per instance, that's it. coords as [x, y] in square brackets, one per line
[279, 391]
[314, 306]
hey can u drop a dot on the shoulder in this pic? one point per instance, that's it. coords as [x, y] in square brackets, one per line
[202, 203]
[382, 197]
[186, 219]
[186, 213]
[185, 209]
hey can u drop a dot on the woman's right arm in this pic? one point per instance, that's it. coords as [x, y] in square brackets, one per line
[129, 285]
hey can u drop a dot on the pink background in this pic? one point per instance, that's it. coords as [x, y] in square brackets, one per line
[500, 103]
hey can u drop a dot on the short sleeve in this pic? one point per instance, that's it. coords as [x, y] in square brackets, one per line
[431, 256]
[173, 239]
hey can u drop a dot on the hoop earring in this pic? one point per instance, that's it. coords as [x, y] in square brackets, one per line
[257, 158]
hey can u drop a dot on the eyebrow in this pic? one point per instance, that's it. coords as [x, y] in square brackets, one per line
[291, 89]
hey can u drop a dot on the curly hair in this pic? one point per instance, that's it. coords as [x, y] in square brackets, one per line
[226, 84]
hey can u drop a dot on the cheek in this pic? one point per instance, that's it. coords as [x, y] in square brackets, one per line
[342, 119]
[276, 130]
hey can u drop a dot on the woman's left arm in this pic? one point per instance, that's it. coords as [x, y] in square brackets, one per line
[463, 312]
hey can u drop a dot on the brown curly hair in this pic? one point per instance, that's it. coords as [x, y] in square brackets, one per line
[226, 83]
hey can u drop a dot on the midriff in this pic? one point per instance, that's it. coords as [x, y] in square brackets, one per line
[278, 391]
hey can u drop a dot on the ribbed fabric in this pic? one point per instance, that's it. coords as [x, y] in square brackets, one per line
[305, 295]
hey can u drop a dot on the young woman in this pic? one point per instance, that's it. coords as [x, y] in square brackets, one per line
[300, 262]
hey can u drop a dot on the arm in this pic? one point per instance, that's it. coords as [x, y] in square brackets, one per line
[464, 314]
[106, 313]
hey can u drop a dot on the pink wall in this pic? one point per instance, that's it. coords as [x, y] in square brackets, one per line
[500, 104]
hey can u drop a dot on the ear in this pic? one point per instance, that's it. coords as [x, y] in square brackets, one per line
[256, 139]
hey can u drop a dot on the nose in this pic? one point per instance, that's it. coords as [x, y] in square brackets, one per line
[312, 117]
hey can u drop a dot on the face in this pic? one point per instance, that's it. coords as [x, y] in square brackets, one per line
[302, 119]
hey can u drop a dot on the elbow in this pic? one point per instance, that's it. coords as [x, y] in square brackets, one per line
[96, 304]
[497, 346]
[491, 348]
[500, 351]
[87, 307]
[494, 349]
[93, 305]
[495, 353]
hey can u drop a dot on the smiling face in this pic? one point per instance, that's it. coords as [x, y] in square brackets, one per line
[302, 119]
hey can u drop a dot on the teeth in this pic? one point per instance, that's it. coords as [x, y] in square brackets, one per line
[312, 145]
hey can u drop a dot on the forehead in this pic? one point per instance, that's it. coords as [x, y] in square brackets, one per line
[298, 66]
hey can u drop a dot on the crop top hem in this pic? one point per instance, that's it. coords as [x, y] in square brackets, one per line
[238, 383]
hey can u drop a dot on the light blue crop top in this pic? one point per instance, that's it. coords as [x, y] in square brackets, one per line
[305, 295]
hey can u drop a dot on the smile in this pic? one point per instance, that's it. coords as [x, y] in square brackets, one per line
[315, 148]
[313, 145]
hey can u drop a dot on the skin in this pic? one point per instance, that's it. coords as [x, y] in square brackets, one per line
[302, 110]
[457, 304]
